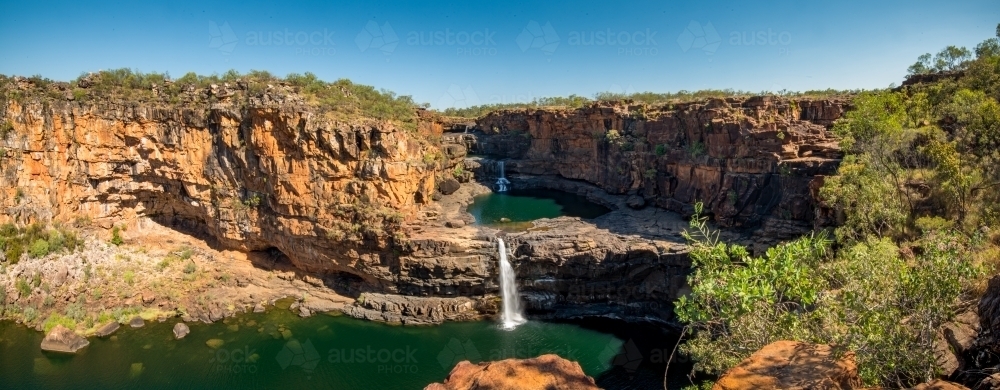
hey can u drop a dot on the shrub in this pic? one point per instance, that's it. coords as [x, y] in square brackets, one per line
[29, 314]
[129, 277]
[23, 287]
[116, 237]
[39, 248]
[190, 267]
[866, 299]
[13, 251]
[661, 149]
[696, 149]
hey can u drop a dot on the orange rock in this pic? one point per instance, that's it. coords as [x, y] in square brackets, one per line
[546, 372]
[938, 384]
[792, 365]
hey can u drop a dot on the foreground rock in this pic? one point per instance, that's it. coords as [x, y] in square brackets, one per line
[180, 330]
[938, 384]
[546, 372]
[792, 365]
[107, 329]
[61, 339]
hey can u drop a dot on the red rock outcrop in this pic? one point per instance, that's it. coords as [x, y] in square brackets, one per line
[753, 161]
[546, 372]
[253, 172]
[792, 365]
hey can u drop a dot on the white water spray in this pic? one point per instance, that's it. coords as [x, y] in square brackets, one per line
[502, 182]
[512, 316]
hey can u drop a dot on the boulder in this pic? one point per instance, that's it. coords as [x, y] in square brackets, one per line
[546, 372]
[180, 330]
[953, 340]
[61, 339]
[938, 384]
[107, 329]
[59, 274]
[136, 322]
[635, 202]
[148, 297]
[792, 365]
[448, 186]
[989, 383]
[455, 224]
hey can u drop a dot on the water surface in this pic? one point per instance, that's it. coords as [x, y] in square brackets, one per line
[279, 350]
[519, 206]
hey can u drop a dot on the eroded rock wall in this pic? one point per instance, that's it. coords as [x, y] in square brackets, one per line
[254, 174]
[754, 162]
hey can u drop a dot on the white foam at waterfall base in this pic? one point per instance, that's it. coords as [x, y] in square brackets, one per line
[512, 315]
[502, 181]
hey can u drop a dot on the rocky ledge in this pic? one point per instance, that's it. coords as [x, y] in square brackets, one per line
[61, 339]
[546, 372]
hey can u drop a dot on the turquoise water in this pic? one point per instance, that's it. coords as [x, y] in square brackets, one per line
[278, 349]
[528, 205]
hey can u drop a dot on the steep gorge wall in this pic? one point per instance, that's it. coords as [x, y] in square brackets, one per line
[272, 173]
[754, 162]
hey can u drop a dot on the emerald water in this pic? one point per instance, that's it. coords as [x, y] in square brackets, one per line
[278, 349]
[520, 206]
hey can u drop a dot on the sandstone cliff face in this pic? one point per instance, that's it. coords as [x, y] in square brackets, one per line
[754, 162]
[354, 198]
[253, 172]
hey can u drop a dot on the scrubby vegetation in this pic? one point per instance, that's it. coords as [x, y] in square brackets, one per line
[340, 99]
[574, 101]
[36, 240]
[918, 193]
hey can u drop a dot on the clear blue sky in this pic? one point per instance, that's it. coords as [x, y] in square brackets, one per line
[464, 52]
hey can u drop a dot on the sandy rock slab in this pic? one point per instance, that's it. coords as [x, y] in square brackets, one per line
[61, 339]
[546, 372]
[792, 365]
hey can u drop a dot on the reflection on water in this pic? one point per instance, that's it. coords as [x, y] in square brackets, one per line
[514, 209]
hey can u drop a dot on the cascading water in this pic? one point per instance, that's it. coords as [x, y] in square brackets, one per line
[502, 181]
[511, 316]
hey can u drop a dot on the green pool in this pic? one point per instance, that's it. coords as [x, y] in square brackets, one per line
[520, 206]
[278, 349]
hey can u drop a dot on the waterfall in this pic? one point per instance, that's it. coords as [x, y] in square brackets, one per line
[502, 181]
[511, 316]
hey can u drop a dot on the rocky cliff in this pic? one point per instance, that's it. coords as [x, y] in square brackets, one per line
[373, 207]
[250, 170]
[755, 162]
